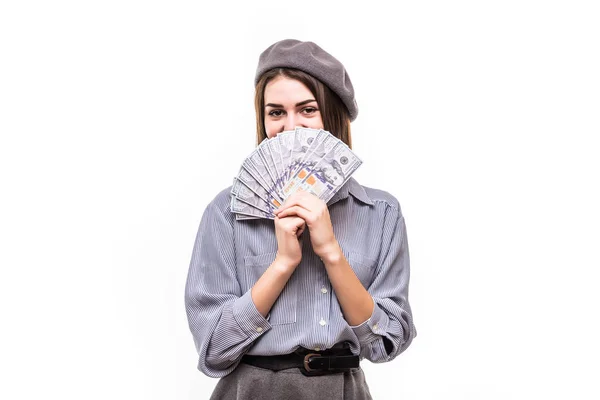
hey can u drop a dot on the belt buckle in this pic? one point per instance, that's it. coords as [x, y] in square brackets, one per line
[308, 371]
[307, 360]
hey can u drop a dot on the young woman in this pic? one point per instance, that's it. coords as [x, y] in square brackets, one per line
[286, 309]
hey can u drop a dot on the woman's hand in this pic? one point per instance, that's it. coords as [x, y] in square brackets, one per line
[287, 232]
[314, 211]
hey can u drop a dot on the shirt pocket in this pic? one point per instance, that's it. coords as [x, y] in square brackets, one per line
[363, 267]
[284, 308]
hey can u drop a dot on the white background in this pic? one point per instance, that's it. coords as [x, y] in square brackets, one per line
[121, 120]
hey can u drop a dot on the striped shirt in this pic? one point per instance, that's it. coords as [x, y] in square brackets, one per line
[229, 256]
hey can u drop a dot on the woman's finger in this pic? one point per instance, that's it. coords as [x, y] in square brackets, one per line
[308, 202]
[297, 211]
[300, 229]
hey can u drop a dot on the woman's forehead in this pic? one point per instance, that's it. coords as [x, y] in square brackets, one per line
[286, 89]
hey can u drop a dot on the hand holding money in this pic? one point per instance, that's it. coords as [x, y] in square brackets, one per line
[288, 231]
[314, 211]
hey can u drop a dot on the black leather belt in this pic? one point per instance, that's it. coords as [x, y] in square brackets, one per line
[310, 364]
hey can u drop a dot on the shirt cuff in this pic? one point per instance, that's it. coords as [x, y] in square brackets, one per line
[248, 317]
[373, 328]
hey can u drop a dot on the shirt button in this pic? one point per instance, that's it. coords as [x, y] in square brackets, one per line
[375, 327]
[259, 329]
[322, 322]
[317, 349]
[323, 290]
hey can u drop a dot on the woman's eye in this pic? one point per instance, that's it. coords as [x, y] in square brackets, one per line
[275, 113]
[309, 110]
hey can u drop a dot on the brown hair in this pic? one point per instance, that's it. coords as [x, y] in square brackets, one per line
[336, 119]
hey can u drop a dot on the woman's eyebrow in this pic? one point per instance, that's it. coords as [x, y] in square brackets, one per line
[297, 104]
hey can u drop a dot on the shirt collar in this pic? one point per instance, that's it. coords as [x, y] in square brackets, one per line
[351, 187]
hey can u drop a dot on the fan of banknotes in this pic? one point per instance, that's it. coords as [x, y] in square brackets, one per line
[309, 159]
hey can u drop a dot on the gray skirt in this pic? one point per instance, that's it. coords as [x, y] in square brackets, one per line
[248, 382]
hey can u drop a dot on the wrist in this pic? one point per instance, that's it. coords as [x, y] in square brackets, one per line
[284, 264]
[331, 254]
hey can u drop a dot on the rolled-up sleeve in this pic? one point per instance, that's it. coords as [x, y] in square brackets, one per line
[224, 321]
[390, 329]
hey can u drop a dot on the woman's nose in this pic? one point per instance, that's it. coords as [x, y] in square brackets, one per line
[290, 123]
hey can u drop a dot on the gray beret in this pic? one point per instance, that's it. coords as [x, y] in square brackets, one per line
[310, 58]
